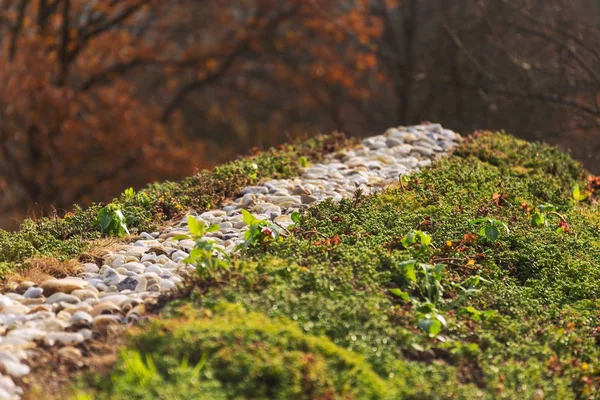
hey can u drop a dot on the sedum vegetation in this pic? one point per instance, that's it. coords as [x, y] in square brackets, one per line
[149, 208]
[448, 286]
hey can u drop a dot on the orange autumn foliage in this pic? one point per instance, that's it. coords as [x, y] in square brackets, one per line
[63, 139]
[91, 91]
[97, 96]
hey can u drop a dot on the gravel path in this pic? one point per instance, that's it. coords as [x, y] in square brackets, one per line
[66, 312]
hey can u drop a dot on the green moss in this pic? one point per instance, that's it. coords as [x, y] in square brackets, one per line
[152, 206]
[532, 331]
[246, 355]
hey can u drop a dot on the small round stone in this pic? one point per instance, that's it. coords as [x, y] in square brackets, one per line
[67, 338]
[104, 309]
[15, 309]
[62, 297]
[91, 268]
[84, 294]
[70, 354]
[23, 286]
[81, 317]
[33, 293]
[154, 288]
[128, 283]
[105, 323]
[154, 268]
[166, 285]
[66, 285]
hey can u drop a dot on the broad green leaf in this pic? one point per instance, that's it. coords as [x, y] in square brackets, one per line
[105, 222]
[430, 325]
[491, 232]
[196, 227]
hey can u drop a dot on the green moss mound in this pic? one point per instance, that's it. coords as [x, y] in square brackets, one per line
[244, 355]
[521, 312]
[69, 235]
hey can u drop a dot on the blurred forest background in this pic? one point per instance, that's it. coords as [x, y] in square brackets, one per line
[100, 95]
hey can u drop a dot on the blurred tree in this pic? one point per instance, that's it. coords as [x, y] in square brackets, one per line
[71, 125]
[98, 95]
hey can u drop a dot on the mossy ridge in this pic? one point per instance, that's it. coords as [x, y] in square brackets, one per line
[241, 355]
[540, 339]
[151, 207]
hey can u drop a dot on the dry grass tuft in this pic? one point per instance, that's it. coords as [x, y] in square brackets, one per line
[100, 247]
[40, 269]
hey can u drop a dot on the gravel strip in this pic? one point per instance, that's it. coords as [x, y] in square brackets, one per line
[69, 311]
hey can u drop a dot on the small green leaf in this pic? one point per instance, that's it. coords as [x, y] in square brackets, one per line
[473, 312]
[409, 270]
[181, 237]
[408, 239]
[537, 219]
[249, 219]
[477, 221]
[546, 207]
[438, 271]
[489, 313]
[296, 217]
[425, 308]
[129, 192]
[425, 238]
[400, 294]
[576, 193]
[213, 228]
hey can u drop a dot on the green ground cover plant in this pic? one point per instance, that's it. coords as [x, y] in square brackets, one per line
[69, 235]
[401, 295]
